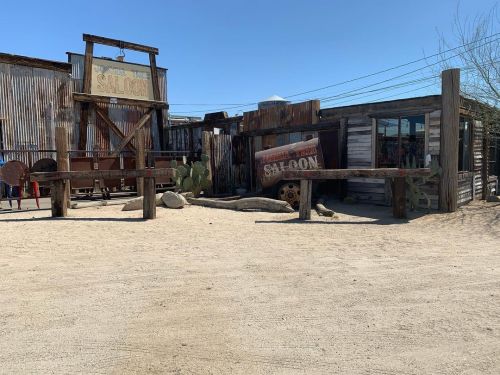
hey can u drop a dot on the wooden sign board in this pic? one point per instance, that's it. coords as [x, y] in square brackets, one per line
[121, 80]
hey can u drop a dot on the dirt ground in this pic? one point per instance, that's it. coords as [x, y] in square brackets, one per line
[206, 291]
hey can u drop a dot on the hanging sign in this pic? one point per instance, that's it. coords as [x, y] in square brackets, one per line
[121, 80]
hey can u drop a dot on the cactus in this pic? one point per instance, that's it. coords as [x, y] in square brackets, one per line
[193, 177]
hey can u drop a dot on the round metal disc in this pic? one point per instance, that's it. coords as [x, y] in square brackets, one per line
[290, 192]
[44, 165]
[13, 171]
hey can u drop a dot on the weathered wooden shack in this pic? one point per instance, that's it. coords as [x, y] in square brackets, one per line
[400, 133]
[37, 95]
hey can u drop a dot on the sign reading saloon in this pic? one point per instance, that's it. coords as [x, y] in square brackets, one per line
[121, 80]
[302, 155]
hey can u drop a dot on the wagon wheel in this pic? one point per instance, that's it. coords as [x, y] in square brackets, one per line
[290, 192]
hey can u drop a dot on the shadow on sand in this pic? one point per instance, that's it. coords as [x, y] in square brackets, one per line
[89, 219]
[368, 214]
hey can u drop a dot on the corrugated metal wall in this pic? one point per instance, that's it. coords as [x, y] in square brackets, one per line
[99, 136]
[33, 101]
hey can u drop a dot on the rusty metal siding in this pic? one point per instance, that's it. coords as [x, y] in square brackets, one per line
[99, 136]
[33, 101]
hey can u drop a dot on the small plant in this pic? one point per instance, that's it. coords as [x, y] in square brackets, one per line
[192, 177]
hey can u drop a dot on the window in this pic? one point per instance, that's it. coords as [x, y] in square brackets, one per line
[401, 140]
[465, 144]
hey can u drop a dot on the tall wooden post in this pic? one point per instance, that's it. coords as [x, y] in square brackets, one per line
[206, 148]
[85, 107]
[60, 188]
[140, 159]
[450, 118]
[157, 96]
[149, 202]
[305, 199]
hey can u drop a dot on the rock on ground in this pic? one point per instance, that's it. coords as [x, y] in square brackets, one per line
[173, 200]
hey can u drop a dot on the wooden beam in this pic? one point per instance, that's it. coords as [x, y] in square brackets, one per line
[333, 174]
[143, 120]
[400, 106]
[100, 174]
[119, 43]
[149, 201]
[206, 148]
[87, 67]
[327, 125]
[89, 98]
[450, 118]
[157, 97]
[60, 188]
[85, 107]
[305, 199]
[140, 159]
[35, 63]
[104, 117]
[399, 198]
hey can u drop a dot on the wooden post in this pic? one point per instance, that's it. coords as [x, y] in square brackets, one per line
[60, 188]
[305, 200]
[342, 155]
[450, 117]
[85, 107]
[206, 148]
[157, 96]
[140, 159]
[399, 198]
[485, 147]
[149, 202]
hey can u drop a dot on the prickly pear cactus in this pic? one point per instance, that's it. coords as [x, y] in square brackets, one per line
[194, 177]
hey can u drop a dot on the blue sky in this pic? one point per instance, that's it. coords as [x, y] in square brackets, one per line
[221, 53]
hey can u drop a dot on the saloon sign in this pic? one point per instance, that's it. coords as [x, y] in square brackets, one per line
[121, 80]
[302, 155]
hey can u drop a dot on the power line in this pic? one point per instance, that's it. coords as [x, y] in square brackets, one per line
[399, 66]
[376, 73]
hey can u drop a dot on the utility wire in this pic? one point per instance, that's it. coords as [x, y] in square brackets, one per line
[376, 73]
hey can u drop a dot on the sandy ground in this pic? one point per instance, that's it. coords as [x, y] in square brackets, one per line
[206, 291]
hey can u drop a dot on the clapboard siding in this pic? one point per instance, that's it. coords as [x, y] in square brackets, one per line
[434, 132]
[359, 155]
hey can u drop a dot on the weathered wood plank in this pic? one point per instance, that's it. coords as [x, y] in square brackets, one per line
[89, 98]
[140, 159]
[399, 198]
[143, 120]
[149, 201]
[325, 174]
[60, 193]
[305, 199]
[449, 139]
[104, 117]
[100, 174]
[119, 43]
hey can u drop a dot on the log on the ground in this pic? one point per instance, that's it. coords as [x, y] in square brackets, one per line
[323, 211]
[137, 203]
[77, 205]
[263, 204]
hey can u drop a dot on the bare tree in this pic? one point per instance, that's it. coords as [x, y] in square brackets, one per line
[479, 59]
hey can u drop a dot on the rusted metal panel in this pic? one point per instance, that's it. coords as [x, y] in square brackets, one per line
[33, 101]
[282, 116]
[271, 163]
